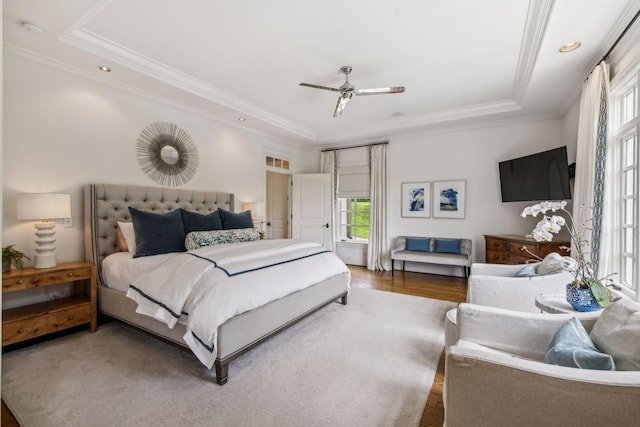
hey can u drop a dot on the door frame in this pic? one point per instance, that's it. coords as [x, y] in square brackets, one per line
[288, 157]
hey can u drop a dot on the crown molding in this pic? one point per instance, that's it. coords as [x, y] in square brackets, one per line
[537, 18]
[106, 48]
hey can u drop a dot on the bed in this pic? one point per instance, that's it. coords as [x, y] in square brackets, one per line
[107, 204]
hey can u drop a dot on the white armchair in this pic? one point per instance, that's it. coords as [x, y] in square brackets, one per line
[495, 376]
[496, 285]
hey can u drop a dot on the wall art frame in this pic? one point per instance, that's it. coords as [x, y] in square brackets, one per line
[416, 199]
[450, 199]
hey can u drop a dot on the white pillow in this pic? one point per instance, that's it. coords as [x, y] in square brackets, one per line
[129, 235]
[555, 263]
[617, 332]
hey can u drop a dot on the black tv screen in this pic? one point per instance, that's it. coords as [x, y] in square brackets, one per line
[537, 177]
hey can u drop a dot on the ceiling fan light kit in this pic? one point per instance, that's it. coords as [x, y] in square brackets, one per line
[347, 90]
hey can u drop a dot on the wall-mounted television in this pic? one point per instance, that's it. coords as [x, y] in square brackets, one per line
[537, 177]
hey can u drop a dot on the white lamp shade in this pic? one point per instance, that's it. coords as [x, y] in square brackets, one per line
[41, 206]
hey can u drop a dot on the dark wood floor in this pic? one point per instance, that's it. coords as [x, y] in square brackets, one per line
[425, 285]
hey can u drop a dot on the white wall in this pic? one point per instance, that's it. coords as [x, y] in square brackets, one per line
[62, 131]
[472, 155]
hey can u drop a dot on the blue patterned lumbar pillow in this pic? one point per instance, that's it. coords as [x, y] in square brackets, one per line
[422, 245]
[448, 246]
[571, 346]
[198, 239]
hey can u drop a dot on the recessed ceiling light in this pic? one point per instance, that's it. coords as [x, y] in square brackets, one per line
[242, 119]
[104, 68]
[31, 27]
[569, 47]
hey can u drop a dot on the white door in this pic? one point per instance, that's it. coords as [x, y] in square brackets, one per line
[311, 208]
[277, 219]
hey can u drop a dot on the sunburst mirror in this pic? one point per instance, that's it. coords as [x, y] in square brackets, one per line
[167, 154]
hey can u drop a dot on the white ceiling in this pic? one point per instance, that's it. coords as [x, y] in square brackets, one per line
[461, 61]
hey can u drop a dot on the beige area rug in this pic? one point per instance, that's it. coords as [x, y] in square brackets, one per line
[370, 363]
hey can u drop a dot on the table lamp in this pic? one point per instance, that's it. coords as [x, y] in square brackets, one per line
[44, 207]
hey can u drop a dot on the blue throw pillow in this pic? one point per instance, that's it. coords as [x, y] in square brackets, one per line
[422, 245]
[448, 246]
[157, 233]
[193, 221]
[527, 271]
[571, 346]
[232, 220]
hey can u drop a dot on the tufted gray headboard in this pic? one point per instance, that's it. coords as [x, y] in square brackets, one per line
[106, 204]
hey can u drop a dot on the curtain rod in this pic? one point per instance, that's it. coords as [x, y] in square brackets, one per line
[355, 146]
[615, 43]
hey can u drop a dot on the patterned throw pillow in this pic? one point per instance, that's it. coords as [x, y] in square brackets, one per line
[198, 239]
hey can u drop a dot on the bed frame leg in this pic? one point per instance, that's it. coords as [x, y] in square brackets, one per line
[222, 372]
[343, 299]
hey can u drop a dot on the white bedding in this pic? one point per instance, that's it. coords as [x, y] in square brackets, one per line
[121, 268]
[206, 287]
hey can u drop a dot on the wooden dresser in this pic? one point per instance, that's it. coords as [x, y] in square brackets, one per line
[507, 248]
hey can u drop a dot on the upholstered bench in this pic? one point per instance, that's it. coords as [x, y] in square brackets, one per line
[432, 250]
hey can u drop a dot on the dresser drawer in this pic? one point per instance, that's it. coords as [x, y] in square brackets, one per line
[496, 257]
[495, 244]
[45, 278]
[23, 326]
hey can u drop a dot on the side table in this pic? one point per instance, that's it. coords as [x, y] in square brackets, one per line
[557, 303]
[26, 322]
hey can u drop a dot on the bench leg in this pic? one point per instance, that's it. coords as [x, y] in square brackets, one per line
[392, 269]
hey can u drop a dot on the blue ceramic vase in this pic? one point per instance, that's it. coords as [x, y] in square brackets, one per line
[582, 299]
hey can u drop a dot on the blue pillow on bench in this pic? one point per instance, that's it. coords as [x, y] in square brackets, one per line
[448, 246]
[421, 245]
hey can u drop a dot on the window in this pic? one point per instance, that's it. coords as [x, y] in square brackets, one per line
[624, 142]
[353, 195]
[354, 218]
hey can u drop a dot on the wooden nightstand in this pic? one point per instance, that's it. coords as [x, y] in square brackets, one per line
[23, 323]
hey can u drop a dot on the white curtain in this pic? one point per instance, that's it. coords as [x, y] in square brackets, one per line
[591, 132]
[328, 165]
[378, 257]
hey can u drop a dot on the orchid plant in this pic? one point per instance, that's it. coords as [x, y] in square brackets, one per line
[582, 269]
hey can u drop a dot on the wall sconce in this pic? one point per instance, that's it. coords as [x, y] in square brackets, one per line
[44, 207]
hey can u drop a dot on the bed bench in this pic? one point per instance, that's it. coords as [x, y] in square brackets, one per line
[432, 250]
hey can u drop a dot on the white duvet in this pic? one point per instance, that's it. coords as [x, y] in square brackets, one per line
[208, 286]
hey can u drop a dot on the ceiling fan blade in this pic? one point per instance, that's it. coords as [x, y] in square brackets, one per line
[342, 103]
[320, 87]
[380, 90]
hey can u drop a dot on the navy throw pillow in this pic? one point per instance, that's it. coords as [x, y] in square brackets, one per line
[448, 246]
[193, 221]
[232, 220]
[422, 245]
[157, 233]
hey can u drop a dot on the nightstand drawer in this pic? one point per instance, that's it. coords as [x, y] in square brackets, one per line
[45, 278]
[20, 324]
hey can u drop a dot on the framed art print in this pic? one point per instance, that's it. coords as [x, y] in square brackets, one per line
[449, 199]
[416, 199]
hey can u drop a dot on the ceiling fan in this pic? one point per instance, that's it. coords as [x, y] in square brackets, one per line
[347, 90]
